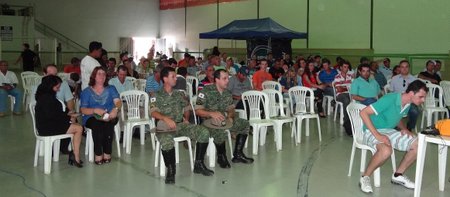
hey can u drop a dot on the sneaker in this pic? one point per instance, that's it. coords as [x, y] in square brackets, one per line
[403, 180]
[364, 183]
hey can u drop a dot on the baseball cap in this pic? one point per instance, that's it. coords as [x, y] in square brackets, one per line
[243, 70]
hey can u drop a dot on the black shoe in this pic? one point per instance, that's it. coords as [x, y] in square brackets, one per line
[199, 166]
[222, 156]
[238, 155]
[169, 160]
[73, 161]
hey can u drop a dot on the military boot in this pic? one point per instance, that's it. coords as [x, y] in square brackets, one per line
[238, 155]
[222, 156]
[199, 166]
[169, 160]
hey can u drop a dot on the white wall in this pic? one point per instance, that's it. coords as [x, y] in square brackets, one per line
[102, 20]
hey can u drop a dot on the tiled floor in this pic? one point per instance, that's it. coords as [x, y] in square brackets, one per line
[309, 169]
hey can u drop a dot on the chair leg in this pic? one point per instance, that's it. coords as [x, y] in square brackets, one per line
[211, 153]
[255, 139]
[362, 167]
[191, 155]
[177, 152]
[157, 153]
[318, 127]
[152, 136]
[230, 143]
[442, 161]
[91, 147]
[47, 156]
[56, 146]
[352, 156]
[262, 135]
[299, 129]
[376, 177]
[117, 133]
[142, 134]
[394, 163]
[278, 133]
[36, 152]
[307, 127]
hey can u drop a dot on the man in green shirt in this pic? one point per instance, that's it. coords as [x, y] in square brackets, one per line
[171, 109]
[380, 119]
[216, 101]
[364, 89]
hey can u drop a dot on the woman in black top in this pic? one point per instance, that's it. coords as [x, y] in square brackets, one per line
[52, 117]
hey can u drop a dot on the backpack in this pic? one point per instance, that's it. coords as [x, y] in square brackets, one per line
[443, 126]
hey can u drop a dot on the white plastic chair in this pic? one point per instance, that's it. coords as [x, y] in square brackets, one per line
[29, 81]
[339, 105]
[271, 85]
[303, 95]
[353, 110]
[133, 81]
[89, 146]
[432, 105]
[132, 116]
[277, 116]
[13, 101]
[192, 80]
[64, 76]
[140, 84]
[254, 99]
[387, 87]
[445, 85]
[44, 145]
[159, 157]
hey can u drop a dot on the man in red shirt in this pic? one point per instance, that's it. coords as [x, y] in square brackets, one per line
[261, 75]
[74, 67]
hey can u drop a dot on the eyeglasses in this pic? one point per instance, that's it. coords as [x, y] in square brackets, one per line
[404, 83]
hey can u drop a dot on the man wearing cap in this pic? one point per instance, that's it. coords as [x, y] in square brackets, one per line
[171, 109]
[239, 84]
[215, 102]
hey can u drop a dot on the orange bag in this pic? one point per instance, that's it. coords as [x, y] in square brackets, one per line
[443, 126]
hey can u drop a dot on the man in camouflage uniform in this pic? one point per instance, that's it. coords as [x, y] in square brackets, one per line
[171, 109]
[214, 101]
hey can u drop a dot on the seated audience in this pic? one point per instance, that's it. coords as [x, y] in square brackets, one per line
[181, 79]
[154, 82]
[100, 104]
[288, 81]
[261, 75]
[326, 76]
[8, 86]
[74, 66]
[430, 73]
[364, 89]
[341, 83]
[239, 84]
[310, 81]
[229, 66]
[53, 118]
[377, 75]
[276, 70]
[120, 82]
[209, 79]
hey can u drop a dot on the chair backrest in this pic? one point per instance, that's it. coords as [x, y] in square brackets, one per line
[32, 112]
[64, 76]
[387, 87]
[133, 100]
[132, 80]
[189, 91]
[445, 85]
[255, 99]
[425, 81]
[275, 108]
[271, 85]
[431, 100]
[140, 84]
[26, 73]
[192, 80]
[301, 97]
[340, 85]
[201, 77]
[353, 110]
[30, 81]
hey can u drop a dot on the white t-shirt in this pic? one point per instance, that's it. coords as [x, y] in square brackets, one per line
[9, 78]
[88, 64]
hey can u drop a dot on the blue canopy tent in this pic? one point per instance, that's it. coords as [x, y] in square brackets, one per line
[257, 31]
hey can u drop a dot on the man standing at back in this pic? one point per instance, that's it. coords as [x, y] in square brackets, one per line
[89, 62]
[28, 58]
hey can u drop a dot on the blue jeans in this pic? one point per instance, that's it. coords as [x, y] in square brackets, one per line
[368, 101]
[412, 116]
[4, 100]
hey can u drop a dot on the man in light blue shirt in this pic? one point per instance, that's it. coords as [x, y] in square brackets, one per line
[154, 82]
[385, 68]
[64, 94]
[399, 83]
[120, 81]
